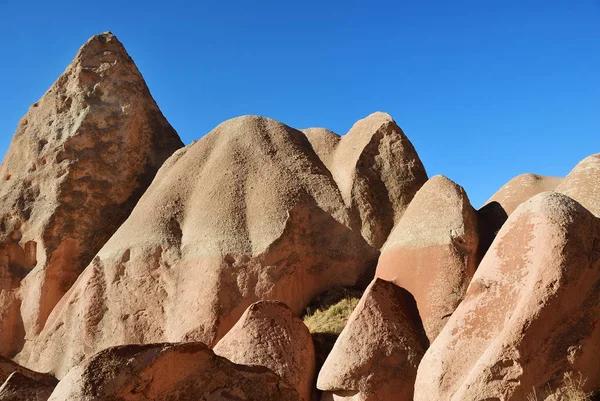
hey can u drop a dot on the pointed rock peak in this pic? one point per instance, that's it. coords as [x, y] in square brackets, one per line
[103, 44]
[372, 124]
[270, 335]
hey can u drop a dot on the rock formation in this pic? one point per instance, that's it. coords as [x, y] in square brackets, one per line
[247, 213]
[169, 372]
[522, 188]
[583, 183]
[432, 252]
[19, 387]
[269, 334]
[21, 384]
[377, 170]
[377, 354]
[530, 314]
[80, 159]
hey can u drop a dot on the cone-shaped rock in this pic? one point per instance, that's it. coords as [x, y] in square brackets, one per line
[19, 387]
[377, 354]
[377, 170]
[522, 188]
[583, 183]
[432, 252]
[169, 372]
[247, 213]
[79, 161]
[269, 334]
[530, 314]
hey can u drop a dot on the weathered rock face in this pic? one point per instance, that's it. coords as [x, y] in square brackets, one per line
[522, 188]
[530, 314]
[377, 170]
[19, 387]
[269, 334]
[23, 384]
[169, 372]
[583, 183]
[248, 212]
[377, 354]
[432, 252]
[80, 159]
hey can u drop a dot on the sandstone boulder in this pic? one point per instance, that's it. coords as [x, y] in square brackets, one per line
[583, 183]
[432, 252]
[19, 387]
[169, 372]
[8, 367]
[377, 170]
[530, 314]
[249, 212]
[79, 161]
[269, 334]
[522, 188]
[377, 354]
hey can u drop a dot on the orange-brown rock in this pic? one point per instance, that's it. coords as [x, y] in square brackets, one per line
[79, 161]
[377, 354]
[432, 252]
[269, 334]
[19, 387]
[377, 170]
[530, 314]
[583, 183]
[522, 188]
[169, 372]
[247, 213]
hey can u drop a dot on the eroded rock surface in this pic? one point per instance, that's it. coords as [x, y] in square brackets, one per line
[169, 372]
[269, 334]
[377, 354]
[530, 314]
[80, 159]
[19, 387]
[522, 188]
[249, 212]
[583, 183]
[432, 252]
[377, 170]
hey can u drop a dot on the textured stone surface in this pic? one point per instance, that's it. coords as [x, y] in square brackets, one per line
[522, 188]
[377, 354]
[432, 252]
[169, 372]
[19, 387]
[79, 161]
[248, 212]
[269, 334]
[377, 170]
[583, 183]
[530, 314]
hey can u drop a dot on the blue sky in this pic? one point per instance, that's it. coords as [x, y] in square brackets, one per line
[485, 90]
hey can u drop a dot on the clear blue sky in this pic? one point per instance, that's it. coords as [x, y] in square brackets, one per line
[485, 90]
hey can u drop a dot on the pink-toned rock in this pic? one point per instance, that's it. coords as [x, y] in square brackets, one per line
[530, 314]
[432, 252]
[376, 168]
[522, 188]
[79, 161]
[247, 213]
[19, 387]
[169, 372]
[377, 354]
[583, 183]
[269, 334]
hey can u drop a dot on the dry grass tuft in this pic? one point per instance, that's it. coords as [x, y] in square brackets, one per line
[572, 390]
[326, 317]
